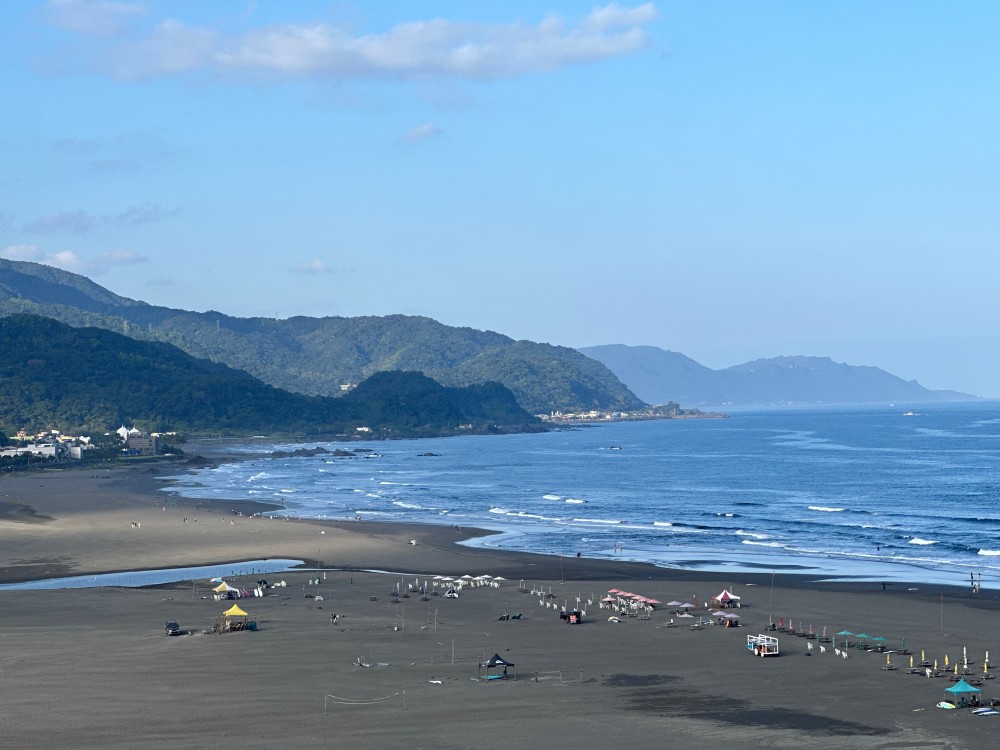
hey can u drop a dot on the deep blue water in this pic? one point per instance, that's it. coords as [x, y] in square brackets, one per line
[860, 492]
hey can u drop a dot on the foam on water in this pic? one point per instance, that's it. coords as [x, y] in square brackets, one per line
[761, 468]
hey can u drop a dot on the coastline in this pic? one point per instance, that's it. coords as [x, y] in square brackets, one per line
[600, 682]
[360, 546]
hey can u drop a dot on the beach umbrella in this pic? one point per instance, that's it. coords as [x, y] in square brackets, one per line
[879, 638]
[810, 629]
[718, 613]
[911, 661]
[922, 655]
[935, 665]
[946, 660]
[686, 605]
[845, 632]
[956, 669]
[986, 668]
[673, 604]
[824, 631]
[614, 591]
[887, 662]
[652, 601]
[987, 661]
[685, 614]
[863, 635]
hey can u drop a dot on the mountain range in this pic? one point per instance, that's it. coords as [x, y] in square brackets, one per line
[657, 375]
[326, 356]
[57, 376]
[315, 356]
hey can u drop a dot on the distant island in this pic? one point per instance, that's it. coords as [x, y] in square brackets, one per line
[657, 375]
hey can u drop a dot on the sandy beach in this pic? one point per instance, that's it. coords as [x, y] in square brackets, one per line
[88, 668]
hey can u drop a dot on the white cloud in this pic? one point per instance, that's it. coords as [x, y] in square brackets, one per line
[416, 49]
[314, 266]
[92, 17]
[422, 133]
[70, 261]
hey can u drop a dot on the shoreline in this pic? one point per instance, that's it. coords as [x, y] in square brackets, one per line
[336, 652]
[143, 484]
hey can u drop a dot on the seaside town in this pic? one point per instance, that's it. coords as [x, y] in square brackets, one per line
[55, 446]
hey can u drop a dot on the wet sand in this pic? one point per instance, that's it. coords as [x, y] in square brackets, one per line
[92, 667]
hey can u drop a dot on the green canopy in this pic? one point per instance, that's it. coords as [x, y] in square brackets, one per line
[961, 688]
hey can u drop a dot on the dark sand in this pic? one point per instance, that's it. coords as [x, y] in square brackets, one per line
[92, 669]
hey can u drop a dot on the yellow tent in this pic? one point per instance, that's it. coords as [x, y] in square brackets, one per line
[235, 611]
[224, 587]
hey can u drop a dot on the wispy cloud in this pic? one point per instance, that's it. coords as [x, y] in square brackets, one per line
[438, 47]
[315, 266]
[78, 222]
[144, 213]
[70, 261]
[92, 17]
[75, 222]
[422, 133]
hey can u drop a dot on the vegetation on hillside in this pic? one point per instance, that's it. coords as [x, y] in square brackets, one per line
[54, 376]
[314, 356]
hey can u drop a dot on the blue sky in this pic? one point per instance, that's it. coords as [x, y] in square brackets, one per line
[729, 180]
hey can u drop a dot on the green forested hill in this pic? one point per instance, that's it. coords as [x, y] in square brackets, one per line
[315, 355]
[56, 376]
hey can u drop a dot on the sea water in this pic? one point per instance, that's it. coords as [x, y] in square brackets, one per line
[895, 493]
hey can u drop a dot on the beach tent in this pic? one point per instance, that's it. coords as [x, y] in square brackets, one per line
[727, 598]
[961, 691]
[495, 662]
[234, 618]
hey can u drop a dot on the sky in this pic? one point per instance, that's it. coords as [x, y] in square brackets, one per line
[729, 180]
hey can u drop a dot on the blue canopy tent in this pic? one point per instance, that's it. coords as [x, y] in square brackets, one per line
[962, 692]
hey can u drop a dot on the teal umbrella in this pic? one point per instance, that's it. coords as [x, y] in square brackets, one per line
[845, 632]
[863, 635]
[879, 638]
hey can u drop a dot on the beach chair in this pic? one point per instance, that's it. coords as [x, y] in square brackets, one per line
[809, 647]
[822, 649]
[843, 654]
[837, 651]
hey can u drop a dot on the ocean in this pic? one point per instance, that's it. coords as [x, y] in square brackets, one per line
[893, 493]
